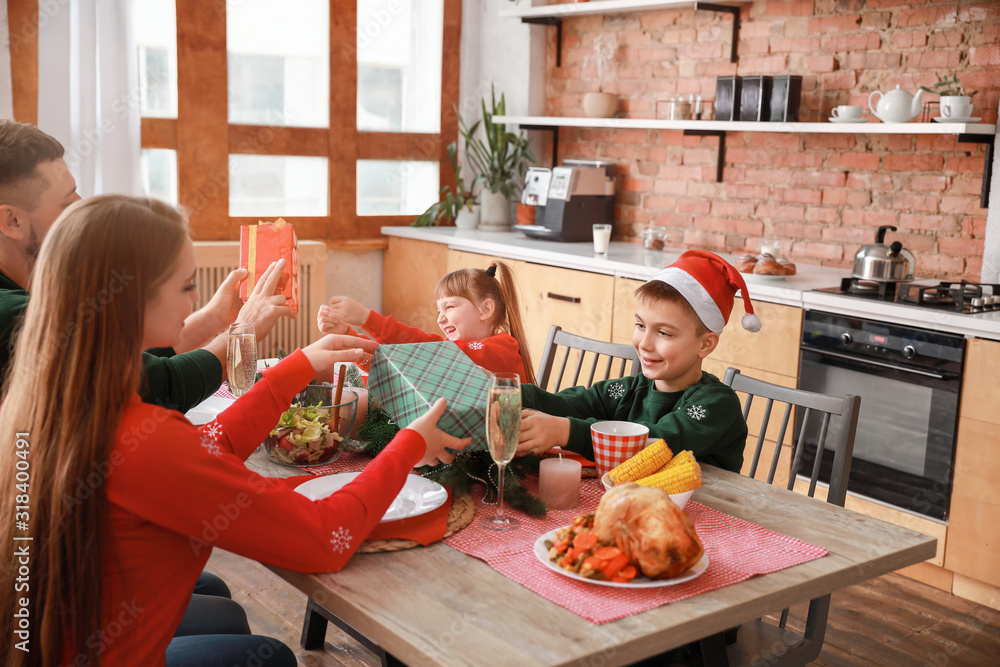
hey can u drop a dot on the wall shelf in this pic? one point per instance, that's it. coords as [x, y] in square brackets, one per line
[984, 133]
[554, 14]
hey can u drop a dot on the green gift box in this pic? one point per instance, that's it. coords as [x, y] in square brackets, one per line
[405, 380]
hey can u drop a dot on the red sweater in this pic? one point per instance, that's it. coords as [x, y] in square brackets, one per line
[499, 353]
[175, 491]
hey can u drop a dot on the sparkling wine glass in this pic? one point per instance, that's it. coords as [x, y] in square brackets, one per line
[241, 358]
[503, 429]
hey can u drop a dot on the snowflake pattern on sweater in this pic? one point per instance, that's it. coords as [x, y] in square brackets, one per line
[476, 345]
[697, 412]
[210, 438]
[616, 390]
[341, 540]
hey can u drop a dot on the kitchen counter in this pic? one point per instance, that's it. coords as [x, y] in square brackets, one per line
[631, 260]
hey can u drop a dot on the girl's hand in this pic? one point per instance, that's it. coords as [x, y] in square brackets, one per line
[541, 432]
[347, 310]
[328, 324]
[437, 440]
[328, 350]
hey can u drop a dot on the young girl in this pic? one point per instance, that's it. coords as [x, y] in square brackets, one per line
[111, 506]
[477, 309]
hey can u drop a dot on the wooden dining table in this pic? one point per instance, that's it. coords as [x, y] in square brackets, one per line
[438, 606]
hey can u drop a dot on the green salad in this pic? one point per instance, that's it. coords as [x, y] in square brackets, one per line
[303, 436]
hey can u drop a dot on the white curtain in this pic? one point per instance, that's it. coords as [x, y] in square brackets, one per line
[6, 91]
[88, 91]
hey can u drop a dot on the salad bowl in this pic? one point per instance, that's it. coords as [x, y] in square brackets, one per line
[309, 432]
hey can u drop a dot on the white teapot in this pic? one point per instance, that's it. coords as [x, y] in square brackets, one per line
[896, 106]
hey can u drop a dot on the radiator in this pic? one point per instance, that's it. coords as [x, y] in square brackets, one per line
[215, 259]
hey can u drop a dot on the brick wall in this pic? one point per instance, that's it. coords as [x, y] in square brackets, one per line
[823, 194]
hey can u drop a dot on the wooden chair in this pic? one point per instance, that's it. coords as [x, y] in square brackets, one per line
[830, 423]
[584, 356]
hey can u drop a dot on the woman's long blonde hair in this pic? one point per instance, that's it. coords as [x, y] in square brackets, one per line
[76, 365]
[477, 285]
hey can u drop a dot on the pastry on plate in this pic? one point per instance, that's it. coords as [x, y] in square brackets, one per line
[745, 263]
[768, 266]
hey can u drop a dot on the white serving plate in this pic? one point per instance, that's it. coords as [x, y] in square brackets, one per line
[957, 119]
[419, 495]
[542, 554]
[834, 119]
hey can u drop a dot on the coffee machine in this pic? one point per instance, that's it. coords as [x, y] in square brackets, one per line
[569, 199]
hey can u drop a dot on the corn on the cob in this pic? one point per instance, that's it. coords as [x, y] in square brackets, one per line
[682, 474]
[643, 464]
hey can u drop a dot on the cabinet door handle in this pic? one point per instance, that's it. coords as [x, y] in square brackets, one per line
[561, 297]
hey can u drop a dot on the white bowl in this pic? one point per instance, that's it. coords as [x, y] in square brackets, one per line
[680, 499]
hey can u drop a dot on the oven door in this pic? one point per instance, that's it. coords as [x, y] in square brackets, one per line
[905, 441]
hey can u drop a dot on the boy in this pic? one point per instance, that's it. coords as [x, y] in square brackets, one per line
[679, 315]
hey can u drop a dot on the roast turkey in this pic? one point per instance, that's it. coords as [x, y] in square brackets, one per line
[655, 534]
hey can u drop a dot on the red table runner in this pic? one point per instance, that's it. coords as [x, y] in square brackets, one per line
[737, 550]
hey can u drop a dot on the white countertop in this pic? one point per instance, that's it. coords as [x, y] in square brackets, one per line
[631, 260]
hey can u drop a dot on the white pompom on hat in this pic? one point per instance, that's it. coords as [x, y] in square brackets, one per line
[709, 283]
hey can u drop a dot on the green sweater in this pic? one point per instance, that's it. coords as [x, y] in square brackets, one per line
[179, 382]
[705, 418]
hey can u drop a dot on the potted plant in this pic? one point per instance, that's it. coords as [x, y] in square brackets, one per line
[955, 102]
[458, 204]
[601, 104]
[499, 159]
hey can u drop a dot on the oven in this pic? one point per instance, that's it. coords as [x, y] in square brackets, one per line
[909, 381]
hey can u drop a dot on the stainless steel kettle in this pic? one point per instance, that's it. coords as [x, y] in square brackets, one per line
[883, 263]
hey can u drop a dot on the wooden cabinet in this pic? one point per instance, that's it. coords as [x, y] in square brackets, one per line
[410, 272]
[973, 547]
[578, 301]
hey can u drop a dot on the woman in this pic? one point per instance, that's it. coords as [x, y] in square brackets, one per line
[119, 503]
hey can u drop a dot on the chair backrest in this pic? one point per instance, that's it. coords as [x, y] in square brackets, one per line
[585, 358]
[826, 423]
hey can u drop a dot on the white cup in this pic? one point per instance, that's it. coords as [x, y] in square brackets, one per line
[956, 109]
[771, 247]
[602, 238]
[847, 112]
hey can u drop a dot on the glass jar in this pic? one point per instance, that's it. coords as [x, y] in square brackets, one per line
[654, 238]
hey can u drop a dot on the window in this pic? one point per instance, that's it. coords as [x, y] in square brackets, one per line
[396, 187]
[254, 109]
[159, 173]
[279, 62]
[155, 27]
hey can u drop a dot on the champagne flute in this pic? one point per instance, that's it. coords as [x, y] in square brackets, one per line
[241, 358]
[503, 429]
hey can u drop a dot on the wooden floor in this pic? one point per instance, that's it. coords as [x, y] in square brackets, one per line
[886, 622]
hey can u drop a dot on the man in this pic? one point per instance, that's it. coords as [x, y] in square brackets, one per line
[35, 187]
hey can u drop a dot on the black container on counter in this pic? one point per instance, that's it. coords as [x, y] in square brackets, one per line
[786, 91]
[755, 98]
[727, 98]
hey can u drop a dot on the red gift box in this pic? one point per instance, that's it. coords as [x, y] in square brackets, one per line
[268, 242]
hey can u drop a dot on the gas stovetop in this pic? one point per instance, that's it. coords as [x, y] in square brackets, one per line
[956, 297]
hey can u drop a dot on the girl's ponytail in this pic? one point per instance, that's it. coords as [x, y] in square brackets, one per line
[512, 306]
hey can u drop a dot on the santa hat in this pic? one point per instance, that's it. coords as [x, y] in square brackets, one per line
[709, 284]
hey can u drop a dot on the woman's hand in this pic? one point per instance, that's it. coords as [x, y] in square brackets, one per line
[438, 442]
[328, 350]
[348, 311]
[541, 432]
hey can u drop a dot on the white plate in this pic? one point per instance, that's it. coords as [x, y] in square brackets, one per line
[956, 119]
[542, 554]
[680, 499]
[847, 120]
[418, 496]
[208, 409]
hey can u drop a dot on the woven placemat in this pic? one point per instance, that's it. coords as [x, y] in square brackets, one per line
[463, 508]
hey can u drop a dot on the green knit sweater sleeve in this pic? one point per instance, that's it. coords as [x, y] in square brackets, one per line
[182, 381]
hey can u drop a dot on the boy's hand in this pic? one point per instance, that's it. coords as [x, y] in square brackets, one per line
[438, 442]
[541, 432]
[328, 350]
[347, 310]
[328, 324]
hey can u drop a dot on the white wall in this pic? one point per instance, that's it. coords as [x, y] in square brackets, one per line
[357, 274]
